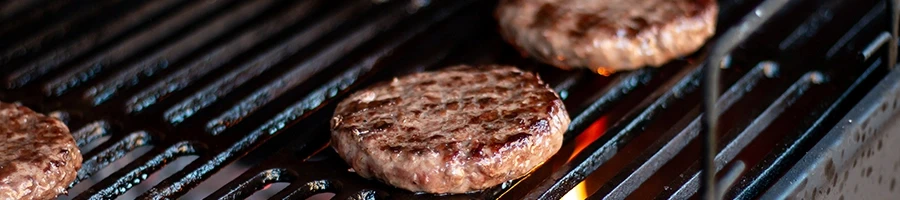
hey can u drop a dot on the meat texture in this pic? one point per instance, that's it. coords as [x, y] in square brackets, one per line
[607, 35]
[456, 130]
[38, 156]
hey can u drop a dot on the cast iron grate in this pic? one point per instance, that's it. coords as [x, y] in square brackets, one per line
[225, 80]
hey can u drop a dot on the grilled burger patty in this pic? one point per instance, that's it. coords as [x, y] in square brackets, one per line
[607, 35]
[38, 156]
[451, 131]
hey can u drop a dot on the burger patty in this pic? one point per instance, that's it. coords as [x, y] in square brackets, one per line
[456, 130]
[38, 156]
[607, 35]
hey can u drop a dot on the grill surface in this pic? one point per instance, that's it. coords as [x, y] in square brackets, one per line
[229, 80]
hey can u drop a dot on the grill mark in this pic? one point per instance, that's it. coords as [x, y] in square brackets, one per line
[499, 90]
[516, 138]
[513, 141]
[546, 16]
[486, 102]
[453, 105]
[584, 23]
[427, 83]
[549, 14]
[530, 117]
[488, 117]
[356, 106]
[541, 126]
[411, 129]
[382, 126]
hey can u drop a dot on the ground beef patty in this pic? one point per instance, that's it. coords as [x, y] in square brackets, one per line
[607, 35]
[38, 156]
[451, 131]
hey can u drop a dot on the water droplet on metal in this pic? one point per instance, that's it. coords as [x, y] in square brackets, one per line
[770, 68]
[816, 78]
[726, 62]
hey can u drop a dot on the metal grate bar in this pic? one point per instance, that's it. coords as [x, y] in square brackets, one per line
[629, 91]
[36, 16]
[90, 132]
[723, 46]
[735, 116]
[241, 190]
[166, 73]
[765, 174]
[873, 14]
[247, 71]
[60, 29]
[618, 88]
[755, 128]
[148, 63]
[670, 144]
[26, 70]
[112, 151]
[299, 35]
[312, 66]
[814, 23]
[175, 55]
[312, 141]
[307, 190]
[604, 148]
[137, 171]
[206, 165]
[84, 69]
[9, 8]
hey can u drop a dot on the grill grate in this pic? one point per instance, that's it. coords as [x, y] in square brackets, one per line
[226, 80]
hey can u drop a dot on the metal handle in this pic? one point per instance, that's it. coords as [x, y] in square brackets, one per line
[721, 48]
[895, 22]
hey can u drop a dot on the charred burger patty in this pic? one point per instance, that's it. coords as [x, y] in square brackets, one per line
[607, 35]
[451, 131]
[38, 156]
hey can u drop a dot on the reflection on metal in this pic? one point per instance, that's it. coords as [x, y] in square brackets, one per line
[895, 28]
[729, 178]
[834, 150]
[753, 130]
[722, 47]
[875, 45]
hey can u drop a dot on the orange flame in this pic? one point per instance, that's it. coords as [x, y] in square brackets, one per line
[582, 141]
[589, 135]
[605, 71]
